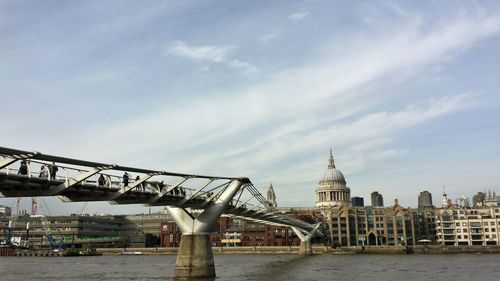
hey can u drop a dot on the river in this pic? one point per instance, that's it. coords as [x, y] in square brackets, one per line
[259, 267]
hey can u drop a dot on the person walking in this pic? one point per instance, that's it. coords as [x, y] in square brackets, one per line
[126, 179]
[44, 172]
[101, 181]
[53, 170]
[138, 188]
[107, 181]
[23, 169]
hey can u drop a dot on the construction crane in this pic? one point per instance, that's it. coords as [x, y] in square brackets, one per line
[56, 247]
[9, 238]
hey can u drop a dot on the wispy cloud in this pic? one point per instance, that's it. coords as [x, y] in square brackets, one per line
[316, 84]
[200, 53]
[270, 107]
[299, 15]
[271, 35]
[209, 54]
[364, 137]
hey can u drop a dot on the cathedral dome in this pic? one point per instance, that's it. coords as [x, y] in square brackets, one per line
[332, 176]
[332, 189]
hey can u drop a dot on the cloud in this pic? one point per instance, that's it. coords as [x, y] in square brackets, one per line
[298, 101]
[271, 35]
[280, 126]
[299, 16]
[364, 136]
[200, 53]
[209, 54]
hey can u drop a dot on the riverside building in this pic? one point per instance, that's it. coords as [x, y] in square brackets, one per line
[465, 226]
[350, 225]
[74, 230]
[141, 230]
[5, 211]
[369, 226]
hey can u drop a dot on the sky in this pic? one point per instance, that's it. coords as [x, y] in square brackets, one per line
[406, 92]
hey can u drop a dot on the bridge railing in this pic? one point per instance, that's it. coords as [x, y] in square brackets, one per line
[71, 169]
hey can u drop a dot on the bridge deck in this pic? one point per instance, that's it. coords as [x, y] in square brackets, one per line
[79, 184]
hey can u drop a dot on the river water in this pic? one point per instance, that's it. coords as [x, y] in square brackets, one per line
[259, 267]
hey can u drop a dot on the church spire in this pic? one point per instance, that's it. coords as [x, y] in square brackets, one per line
[331, 164]
[271, 196]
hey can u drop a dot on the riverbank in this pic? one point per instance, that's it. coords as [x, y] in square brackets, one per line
[316, 249]
[228, 250]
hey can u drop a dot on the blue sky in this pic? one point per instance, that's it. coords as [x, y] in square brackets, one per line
[405, 92]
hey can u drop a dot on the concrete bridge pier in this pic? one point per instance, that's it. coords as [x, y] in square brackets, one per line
[305, 240]
[195, 258]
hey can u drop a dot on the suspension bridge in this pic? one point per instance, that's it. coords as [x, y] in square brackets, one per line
[194, 201]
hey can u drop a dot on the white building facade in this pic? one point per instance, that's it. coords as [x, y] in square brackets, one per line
[463, 226]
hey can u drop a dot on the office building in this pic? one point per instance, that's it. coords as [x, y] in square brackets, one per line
[5, 211]
[358, 202]
[425, 199]
[377, 199]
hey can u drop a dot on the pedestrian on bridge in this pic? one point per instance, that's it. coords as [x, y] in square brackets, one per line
[53, 170]
[138, 188]
[101, 180]
[126, 179]
[23, 169]
[107, 181]
[44, 172]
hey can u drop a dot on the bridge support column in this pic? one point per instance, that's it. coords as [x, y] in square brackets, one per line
[195, 258]
[305, 240]
[305, 248]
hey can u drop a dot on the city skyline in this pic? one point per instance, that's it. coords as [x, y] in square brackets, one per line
[406, 93]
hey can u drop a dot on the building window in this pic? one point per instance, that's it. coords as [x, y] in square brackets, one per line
[458, 230]
[485, 223]
[457, 224]
[466, 236]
